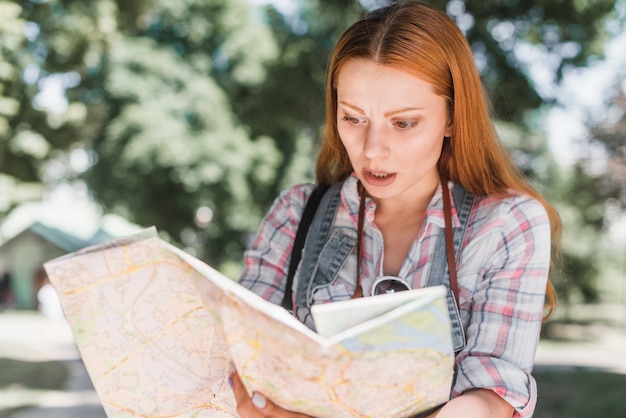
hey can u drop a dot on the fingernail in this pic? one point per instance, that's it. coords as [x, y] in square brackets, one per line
[230, 382]
[258, 400]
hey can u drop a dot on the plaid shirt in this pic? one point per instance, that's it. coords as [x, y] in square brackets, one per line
[502, 274]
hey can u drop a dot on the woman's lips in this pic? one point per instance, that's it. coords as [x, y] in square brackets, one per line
[378, 178]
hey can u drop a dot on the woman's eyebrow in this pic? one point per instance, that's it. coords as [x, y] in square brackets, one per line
[388, 114]
[406, 109]
[353, 107]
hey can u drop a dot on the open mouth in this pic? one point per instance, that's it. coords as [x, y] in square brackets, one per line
[380, 175]
[378, 178]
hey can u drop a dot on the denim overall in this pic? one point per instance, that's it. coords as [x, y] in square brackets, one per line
[327, 247]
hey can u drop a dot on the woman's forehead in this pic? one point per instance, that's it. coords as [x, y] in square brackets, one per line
[366, 80]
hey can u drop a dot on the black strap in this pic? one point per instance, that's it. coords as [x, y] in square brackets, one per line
[298, 244]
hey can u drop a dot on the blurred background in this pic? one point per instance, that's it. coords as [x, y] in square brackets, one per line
[192, 115]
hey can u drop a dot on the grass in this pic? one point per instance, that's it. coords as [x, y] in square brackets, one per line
[7, 413]
[48, 375]
[578, 393]
[23, 382]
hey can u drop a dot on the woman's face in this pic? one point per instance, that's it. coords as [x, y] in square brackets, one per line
[392, 125]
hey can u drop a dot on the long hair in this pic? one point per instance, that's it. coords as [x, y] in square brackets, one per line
[423, 41]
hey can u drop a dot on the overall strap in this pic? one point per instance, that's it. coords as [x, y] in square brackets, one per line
[439, 273]
[321, 228]
[341, 243]
[303, 228]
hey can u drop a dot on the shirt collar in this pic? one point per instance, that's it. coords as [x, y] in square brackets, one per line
[434, 213]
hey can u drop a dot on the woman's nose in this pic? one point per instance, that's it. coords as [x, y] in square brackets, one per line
[375, 145]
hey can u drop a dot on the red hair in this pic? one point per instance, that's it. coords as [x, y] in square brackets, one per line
[423, 41]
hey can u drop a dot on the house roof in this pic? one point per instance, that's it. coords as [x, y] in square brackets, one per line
[69, 227]
[62, 239]
[58, 238]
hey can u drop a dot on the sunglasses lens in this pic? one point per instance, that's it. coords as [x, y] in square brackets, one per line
[389, 285]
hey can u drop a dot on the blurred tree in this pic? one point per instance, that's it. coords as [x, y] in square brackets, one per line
[576, 271]
[22, 147]
[523, 46]
[610, 135]
[165, 145]
[172, 153]
[172, 148]
[522, 49]
[596, 193]
[580, 261]
[508, 39]
[195, 113]
[289, 105]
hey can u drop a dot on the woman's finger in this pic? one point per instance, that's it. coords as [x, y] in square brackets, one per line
[238, 390]
[258, 406]
[269, 409]
[245, 408]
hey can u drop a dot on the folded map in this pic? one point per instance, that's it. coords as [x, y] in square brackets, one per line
[159, 331]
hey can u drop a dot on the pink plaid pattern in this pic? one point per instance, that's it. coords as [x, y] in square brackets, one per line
[502, 274]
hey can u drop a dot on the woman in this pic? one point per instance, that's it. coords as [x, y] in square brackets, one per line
[406, 122]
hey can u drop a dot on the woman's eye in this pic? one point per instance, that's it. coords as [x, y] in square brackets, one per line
[352, 120]
[405, 124]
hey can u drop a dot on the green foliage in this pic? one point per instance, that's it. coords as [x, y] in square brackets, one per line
[577, 266]
[596, 194]
[197, 112]
[560, 35]
[508, 39]
[147, 106]
[11, 28]
[579, 393]
[609, 134]
[289, 105]
[172, 144]
[22, 146]
[50, 375]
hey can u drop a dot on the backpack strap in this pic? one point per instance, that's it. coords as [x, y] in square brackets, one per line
[296, 252]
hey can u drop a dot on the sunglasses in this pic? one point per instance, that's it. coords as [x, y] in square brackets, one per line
[389, 284]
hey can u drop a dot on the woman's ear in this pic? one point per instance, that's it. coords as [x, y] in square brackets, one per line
[448, 131]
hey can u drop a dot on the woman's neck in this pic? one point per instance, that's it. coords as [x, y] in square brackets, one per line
[400, 220]
[404, 207]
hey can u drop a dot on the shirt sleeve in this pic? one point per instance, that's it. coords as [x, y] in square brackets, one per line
[507, 308]
[266, 260]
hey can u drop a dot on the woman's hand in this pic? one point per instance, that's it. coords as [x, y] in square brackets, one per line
[257, 406]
